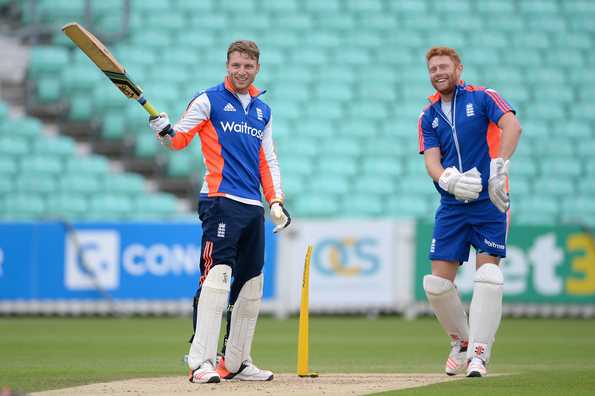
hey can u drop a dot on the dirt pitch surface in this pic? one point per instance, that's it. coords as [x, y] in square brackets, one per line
[283, 384]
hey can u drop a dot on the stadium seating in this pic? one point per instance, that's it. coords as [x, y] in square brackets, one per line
[46, 177]
[346, 80]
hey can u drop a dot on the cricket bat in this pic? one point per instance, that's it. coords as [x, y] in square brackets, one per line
[108, 64]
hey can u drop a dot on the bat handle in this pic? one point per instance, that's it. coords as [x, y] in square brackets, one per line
[154, 114]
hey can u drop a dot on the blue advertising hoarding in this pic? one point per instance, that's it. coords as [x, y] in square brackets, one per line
[150, 261]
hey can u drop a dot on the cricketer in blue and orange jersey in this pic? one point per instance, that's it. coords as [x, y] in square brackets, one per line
[467, 134]
[235, 129]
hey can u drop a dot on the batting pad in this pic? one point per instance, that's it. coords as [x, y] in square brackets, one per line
[446, 303]
[212, 302]
[485, 311]
[243, 323]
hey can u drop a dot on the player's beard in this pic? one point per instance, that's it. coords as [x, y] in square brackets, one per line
[447, 87]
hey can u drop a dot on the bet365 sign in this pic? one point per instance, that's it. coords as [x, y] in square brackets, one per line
[543, 264]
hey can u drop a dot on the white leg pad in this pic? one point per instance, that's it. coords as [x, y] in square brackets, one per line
[243, 323]
[212, 302]
[485, 311]
[446, 303]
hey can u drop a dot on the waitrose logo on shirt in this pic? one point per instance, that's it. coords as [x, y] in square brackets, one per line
[242, 127]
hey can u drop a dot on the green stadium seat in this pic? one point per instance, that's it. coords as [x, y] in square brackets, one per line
[523, 166]
[387, 166]
[415, 166]
[333, 92]
[292, 184]
[356, 128]
[23, 126]
[573, 40]
[8, 166]
[81, 109]
[403, 206]
[342, 147]
[369, 110]
[43, 164]
[524, 57]
[586, 185]
[6, 187]
[554, 147]
[331, 183]
[146, 146]
[519, 186]
[300, 23]
[49, 89]
[560, 166]
[361, 205]
[124, 183]
[407, 7]
[315, 127]
[13, 146]
[543, 109]
[367, 6]
[28, 182]
[575, 129]
[295, 165]
[374, 183]
[317, 107]
[191, 7]
[537, 7]
[151, 6]
[113, 125]
[417, 185]
[582, 110]
[108, 206]
[23, 206]
[54, 146]
[568, 57]
[586, 149]
[338, 165]
[182, 164]
[492, 7]
[47, 61]
[389, 146]
[339, 22]
[548, 186]
[69, 206]
[381, 21]
[546, 23]
[156, 206]
[303, 147]
[590, 167]
[316, 204]
[557, 94]
[315, 6]
[92, 165]
[534, 217]
[3, 111]
[544, 204]
[70, 183]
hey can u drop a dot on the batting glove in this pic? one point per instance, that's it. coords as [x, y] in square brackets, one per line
[280, 217]
[497, 184]
[464, 186]
[161, 125]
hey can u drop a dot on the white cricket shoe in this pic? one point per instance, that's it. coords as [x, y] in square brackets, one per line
[457, 359]
[476, 368]
[247, 372]
[205, 374]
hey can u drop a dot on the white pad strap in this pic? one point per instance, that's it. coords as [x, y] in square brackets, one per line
[446, 303]
[243, 323]
[213, 300]
[485, 311]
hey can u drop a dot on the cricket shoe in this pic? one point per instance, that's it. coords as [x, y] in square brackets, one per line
[205, 374]
[476, 368]
[457, 359]
[247, 372]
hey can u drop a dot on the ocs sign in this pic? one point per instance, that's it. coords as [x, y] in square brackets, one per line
[347, 257]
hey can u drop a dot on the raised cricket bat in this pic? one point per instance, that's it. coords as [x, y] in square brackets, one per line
[108, 64]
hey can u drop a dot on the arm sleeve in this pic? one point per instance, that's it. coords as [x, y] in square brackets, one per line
[191, 122]
[495, 105]
[270, 174]
[426, 135]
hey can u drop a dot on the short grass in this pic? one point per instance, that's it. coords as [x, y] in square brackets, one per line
[536, 356]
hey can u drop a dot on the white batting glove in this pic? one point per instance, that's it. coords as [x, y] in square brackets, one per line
[160, 123]
[279, 216]
[497, 184]
[464, 186]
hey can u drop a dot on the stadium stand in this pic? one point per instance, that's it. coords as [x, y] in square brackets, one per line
[346, 81]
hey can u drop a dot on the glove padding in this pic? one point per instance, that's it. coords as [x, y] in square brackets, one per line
[464, 186]
[280, 217]
[497, 184]
[160, 125]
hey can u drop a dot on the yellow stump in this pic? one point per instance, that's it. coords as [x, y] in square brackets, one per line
[302, 352]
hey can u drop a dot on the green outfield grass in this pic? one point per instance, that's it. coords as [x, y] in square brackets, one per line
[535, 356]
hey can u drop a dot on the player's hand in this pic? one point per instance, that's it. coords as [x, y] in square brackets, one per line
[160, 124]
[464, 186]
[280, 217]
[497, 184]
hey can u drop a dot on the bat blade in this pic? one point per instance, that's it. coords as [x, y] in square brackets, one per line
[104, 60]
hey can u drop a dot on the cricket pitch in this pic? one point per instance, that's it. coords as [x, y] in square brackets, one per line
[287, 384]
